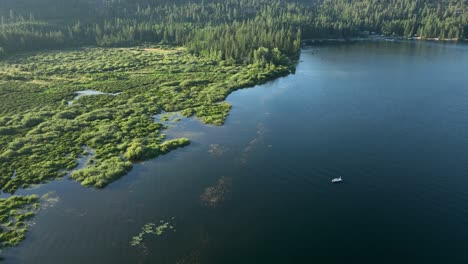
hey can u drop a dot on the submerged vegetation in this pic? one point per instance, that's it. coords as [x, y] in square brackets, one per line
[215, 195]
[217, 150]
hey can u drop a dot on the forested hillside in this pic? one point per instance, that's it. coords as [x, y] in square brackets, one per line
[446, 19]
[227, 30]
[233, 29]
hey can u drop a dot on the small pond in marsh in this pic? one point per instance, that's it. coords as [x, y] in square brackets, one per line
[88, 93]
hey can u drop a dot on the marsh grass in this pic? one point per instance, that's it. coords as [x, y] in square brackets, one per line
[41, 135]
[15, 215]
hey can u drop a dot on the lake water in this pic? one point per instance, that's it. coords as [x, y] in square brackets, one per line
[391, 118]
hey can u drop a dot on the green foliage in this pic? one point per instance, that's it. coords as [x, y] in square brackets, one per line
[191, 56]
[15, 211]
[136, 151]
[102, 172]
[218, 30]
[169, 145]
[42, 137]
[446, 19]
[221, 30]
[151, 228]
[213, 113]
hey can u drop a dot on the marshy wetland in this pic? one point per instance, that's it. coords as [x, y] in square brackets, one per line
[100, 107]
[44, 132]
[257, 187]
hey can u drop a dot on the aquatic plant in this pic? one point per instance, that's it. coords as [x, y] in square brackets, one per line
[151, 228]
[215, 195]
[46, 201]
[15, 214]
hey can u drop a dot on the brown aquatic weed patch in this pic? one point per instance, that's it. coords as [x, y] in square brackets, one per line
[215, 195]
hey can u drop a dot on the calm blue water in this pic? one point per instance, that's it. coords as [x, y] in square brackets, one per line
[391, 118]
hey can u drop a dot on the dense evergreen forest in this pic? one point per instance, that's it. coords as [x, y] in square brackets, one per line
[225, 30]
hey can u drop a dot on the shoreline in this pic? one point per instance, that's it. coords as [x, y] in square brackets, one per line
[325, 41]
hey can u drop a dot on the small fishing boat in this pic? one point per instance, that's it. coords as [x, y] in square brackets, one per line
[337, 180]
